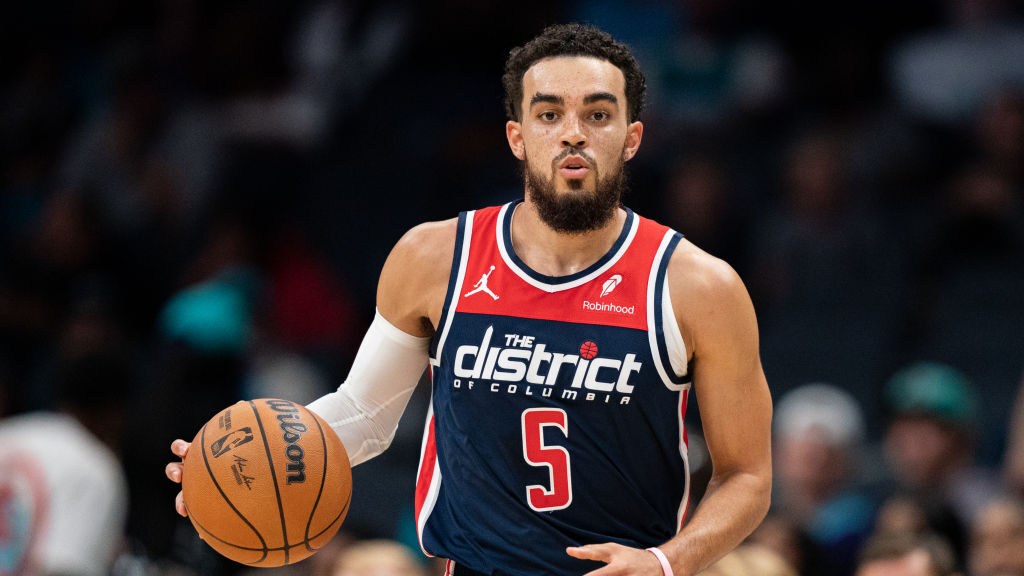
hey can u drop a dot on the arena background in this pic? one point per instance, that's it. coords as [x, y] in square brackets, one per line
[204, 193]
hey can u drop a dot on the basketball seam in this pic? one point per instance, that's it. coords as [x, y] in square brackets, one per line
[278, 548]
[323, 482]
[341, 515]
[266, 549]
[213, 478]
[273, 475]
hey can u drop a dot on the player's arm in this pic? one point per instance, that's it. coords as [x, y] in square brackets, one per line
[715, 310]
[717, 320]
[366, 408]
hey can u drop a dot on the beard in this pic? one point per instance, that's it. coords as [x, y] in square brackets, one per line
[577, 210]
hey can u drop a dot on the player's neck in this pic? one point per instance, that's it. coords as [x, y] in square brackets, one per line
[554, 253]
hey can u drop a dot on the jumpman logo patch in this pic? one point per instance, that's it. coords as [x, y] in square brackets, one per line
[481, 286]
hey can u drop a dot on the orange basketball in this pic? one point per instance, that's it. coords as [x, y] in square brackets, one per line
[266, 482]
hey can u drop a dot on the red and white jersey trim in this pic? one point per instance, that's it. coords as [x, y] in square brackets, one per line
[673, 339]
[552, 288]
[684, 451]
[456, 294]
[428, 482]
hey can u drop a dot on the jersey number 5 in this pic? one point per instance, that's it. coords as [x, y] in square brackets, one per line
[556, 458]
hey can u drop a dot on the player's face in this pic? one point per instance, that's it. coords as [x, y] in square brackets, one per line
[573, 139]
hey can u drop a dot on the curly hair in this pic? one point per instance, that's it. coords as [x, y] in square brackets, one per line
[572, 40]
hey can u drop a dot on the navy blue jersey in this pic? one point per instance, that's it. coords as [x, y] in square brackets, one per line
[556, 418]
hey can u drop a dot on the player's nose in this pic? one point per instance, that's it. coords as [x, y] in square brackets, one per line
[572, 132]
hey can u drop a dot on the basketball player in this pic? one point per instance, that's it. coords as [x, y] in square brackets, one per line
[564, 335]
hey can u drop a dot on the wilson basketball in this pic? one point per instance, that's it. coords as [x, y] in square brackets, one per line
[266, 482]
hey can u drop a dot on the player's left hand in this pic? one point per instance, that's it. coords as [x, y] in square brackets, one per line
[620, 560]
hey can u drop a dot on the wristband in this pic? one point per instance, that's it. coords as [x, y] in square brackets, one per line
[666, 568]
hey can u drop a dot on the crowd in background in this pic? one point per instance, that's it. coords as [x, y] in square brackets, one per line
[196, 199]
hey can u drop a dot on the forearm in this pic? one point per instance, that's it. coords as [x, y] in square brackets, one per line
[731, 509]
[366, 429]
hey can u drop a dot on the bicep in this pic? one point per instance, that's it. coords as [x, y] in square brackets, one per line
[732, 392]
[413, 281]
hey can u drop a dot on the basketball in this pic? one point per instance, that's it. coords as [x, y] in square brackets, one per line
[266, 482]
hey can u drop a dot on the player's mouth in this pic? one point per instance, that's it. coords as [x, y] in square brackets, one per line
[574, 167]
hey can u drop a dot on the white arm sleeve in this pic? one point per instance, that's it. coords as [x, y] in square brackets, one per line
[366, 408]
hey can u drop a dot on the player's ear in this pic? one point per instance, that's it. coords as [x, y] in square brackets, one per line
[634, 134]
[514, 134]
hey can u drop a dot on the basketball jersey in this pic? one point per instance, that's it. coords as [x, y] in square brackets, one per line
[556, 418]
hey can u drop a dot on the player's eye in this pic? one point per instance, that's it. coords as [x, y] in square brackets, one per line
[548, 116]
[600, 116]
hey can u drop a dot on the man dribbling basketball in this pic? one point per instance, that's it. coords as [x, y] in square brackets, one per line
[555, 441]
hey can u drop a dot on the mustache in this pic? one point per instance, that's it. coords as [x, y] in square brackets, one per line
[573, 151]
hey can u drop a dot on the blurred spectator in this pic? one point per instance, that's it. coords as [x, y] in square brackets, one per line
[819, 435]
[1013, 464]
[750, 560]
[825, 279]
[275, 372]
[699, 69]
[907, 515]
[698, 203]
[969, 299]
[309, 308]
[928, 442]
[997, 539]
[944, 75]
[999, 135]
[902, 515]
[39, 276]
[903, 555]
[214, 316]
[781, 534]
[377, 558]
[63, 494]
[106, 158]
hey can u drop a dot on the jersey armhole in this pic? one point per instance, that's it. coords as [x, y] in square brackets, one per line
[463, 232]
[668, 346]
[674, 343]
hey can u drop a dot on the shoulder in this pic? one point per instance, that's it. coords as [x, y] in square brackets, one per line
[708, 296]
[431, 240]
[413, 282]
[699, 275]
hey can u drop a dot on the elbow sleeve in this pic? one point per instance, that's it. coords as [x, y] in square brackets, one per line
[365, 410]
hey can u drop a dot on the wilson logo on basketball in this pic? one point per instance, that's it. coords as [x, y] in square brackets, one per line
[293, 430]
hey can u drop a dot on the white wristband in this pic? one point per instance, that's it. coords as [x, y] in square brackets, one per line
[666, 568]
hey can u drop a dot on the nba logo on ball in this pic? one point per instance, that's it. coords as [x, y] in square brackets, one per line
[267, 482]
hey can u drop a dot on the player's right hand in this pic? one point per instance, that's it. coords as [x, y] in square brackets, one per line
[174, 469]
